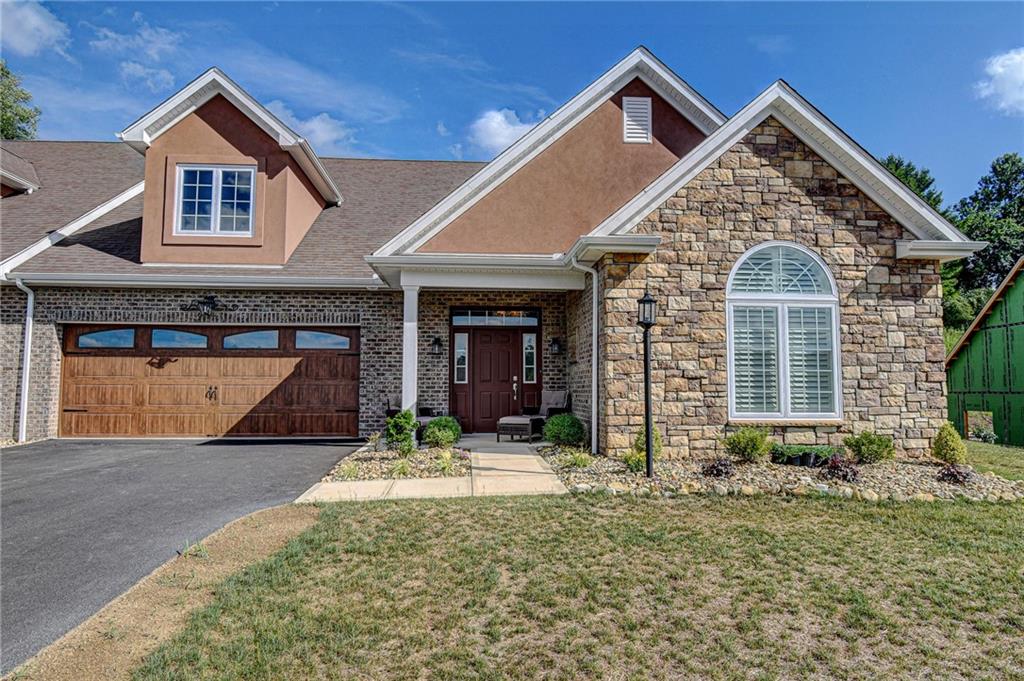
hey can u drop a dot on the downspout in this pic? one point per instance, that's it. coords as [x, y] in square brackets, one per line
[26, 360]
[593, 352]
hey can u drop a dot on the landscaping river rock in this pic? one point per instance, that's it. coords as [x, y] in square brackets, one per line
[369, 464]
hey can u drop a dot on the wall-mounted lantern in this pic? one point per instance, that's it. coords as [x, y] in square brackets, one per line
[436, 346]
[555, 346]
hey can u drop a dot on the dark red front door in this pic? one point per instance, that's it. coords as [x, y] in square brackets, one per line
[495, 376]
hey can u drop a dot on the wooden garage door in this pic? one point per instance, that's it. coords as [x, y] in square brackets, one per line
[167, 381]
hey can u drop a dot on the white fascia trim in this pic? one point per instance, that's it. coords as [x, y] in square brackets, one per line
[783, 103]
[640, 63]
[937, 250]
[524, 279]
[67, 230]
[212, 82]
[196, 281]
[17, 181]
[590, 248]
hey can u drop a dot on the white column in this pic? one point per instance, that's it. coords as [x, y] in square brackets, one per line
[410, 337]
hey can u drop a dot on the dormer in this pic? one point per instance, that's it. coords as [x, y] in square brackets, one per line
[17, 175]
[226, 182]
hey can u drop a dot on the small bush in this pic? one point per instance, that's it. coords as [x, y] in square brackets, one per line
[399, 431]
[640, 442]
[822, 453]
[870, 448]
[983, 434]
[948, 447]
[374, 441]
[449, 423]
[576, 458]
[445, 462]
[565, 430]
[440, 434]
[749, 444]
[840, 468]
[719, 468]
[635, 461]
[348, 471]
[958, 475]
[401, 469]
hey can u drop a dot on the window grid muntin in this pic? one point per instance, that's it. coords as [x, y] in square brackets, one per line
[780, 270]
[197, 215]
[529, 358]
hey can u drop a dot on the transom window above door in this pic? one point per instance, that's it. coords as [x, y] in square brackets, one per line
[483, 317]
[783, 328]
[215, 200]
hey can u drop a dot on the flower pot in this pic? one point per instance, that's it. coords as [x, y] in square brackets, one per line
[808, 459]
[793, 460]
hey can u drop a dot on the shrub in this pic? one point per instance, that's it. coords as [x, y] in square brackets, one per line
[576, 458]
[440, 433]
[444, 462]
[640, 442]
[782, 453]
[565, 430]
[401, 469]
[635, 461]
[374, 440]
[398, 432]
[870, 448]
[958, 475]
[983, 434]
[839, 467]
[749, 444]
[348, 471]
[948, 447]
[719, 468]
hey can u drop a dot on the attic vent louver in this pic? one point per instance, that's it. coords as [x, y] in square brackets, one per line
[636, 120]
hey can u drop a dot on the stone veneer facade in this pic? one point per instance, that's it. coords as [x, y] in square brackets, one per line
[770, 186]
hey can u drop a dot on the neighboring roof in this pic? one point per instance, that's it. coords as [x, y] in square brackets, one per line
[15, 171]
[381, 197]
[74, 178]
[1000, 291]
[211, 83]
[826, 139]
[640, 63]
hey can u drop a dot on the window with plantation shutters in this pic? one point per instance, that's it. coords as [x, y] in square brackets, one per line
[783, 349]
[636, 119]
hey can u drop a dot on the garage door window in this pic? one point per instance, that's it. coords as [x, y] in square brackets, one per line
[175, 338]
[265, 339]
[320, 340]
[108, 338]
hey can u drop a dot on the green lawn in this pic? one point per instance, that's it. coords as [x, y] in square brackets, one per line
[1001, 460]
[569, 587]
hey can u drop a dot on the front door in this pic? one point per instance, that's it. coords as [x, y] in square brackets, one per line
[495, 376]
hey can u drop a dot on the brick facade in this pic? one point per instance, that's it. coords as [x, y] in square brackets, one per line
[770, 186]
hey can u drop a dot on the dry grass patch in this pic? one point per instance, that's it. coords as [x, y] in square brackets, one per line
[614, 587]
[116, 640]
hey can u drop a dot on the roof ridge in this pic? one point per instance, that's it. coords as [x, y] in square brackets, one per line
[401, 160]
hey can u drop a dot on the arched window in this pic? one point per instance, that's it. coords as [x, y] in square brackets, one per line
[782, 315]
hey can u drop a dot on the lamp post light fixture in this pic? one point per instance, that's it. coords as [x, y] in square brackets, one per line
[645, 318]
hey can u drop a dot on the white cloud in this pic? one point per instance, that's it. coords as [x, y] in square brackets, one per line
[771, 44]
[495, 130]
[93, 110]
[156, 80]
[327, 135]
[1004, 86]
[28, 28]
[455, 62]
[153, 41]
[442, 129]
[456, 151]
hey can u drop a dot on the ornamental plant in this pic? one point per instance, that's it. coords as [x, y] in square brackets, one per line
[636, 458]
[749, 444]
[719, 468]
[839, 467]
[957, 475]
[398, 432]
[870, 448]
[442, 432]
[565, 430]
[948, 447]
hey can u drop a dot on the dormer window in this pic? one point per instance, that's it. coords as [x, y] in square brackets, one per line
[215, 200]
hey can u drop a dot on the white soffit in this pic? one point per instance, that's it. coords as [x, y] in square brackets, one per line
[640, 63]
[820, 134]
[213, 82]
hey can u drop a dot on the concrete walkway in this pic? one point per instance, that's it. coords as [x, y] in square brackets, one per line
[497, 469]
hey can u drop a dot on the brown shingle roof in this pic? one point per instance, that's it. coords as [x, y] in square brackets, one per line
[381, 198]
[75, 177]
[11, 162]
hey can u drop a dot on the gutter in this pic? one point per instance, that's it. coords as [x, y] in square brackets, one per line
[26, 360]
[200, 281]
[593, 351]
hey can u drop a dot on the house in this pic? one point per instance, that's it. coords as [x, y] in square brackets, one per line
[797, 281]
[985, 369]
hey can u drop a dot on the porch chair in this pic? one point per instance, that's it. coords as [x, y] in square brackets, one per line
[531, 421]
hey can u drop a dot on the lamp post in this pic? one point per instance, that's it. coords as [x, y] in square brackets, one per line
[645, 318]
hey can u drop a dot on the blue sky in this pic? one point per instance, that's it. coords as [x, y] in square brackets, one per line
[941, 84]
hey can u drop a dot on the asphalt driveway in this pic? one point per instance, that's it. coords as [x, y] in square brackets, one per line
[83, 520]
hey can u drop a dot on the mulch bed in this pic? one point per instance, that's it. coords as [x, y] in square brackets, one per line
[369, 464]
[892, 480]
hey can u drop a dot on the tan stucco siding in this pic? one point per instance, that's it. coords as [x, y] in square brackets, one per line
[571, 186]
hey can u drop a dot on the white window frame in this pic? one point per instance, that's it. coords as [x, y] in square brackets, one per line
[646, 101]
[781, 303]
[218, 170]
[536, 352]
[455, 357]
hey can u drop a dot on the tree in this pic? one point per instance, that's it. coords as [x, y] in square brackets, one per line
[18, 118]
[919, 180]
[994, 213]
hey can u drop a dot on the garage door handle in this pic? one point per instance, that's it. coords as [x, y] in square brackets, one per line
[211, 393]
